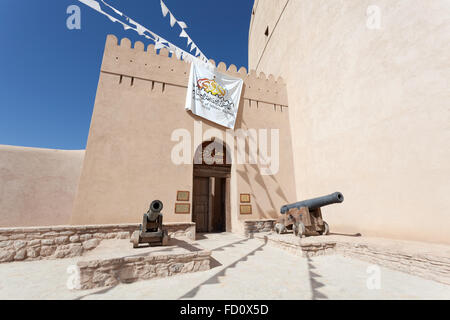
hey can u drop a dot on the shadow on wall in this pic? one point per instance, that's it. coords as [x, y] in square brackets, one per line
[245, 175]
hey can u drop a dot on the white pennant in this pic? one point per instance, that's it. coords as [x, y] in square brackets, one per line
[197, 52]
[159, 45]
[164, 9]
[193, 47]
[189, 41]
[183, 34]
[154, 35]
[172, 48]
[111, 18]
[139, 29]
[172, 20]
[178, 53]
[182, 25]
[93, 4]
[113, 9]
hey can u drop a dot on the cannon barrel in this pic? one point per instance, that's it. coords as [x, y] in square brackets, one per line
[314, 203]
[155, 208]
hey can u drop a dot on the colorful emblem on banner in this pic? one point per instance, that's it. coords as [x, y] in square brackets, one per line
[211, 86]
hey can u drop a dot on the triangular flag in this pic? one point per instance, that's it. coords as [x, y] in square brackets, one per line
[139, 29]
[164, 9]
[197, 52]
[159, 45]
[183, 34]
[193, 47]
[172, 20]
[172, 48]
[111, 18]
[189, 41]
[114, 9]
[182, 24]
[178, 53]
[154, 35]
[93, 4]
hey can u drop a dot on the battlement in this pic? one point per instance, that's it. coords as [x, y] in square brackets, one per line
[121, 58]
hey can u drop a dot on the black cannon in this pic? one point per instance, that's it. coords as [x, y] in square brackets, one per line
[305, 216]
[151, 230]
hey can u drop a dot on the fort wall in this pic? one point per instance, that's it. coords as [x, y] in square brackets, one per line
[369, 108]
[139, 103]
[37, 186]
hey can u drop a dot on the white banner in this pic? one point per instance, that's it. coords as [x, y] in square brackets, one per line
[213, 95]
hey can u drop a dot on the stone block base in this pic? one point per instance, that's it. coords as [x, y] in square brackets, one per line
[36, 243]
[426, 260]
[256, 226]
[295, 246]
[110, 272]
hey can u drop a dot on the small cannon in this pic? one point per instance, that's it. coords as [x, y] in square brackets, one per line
[306, 216]
[151, 230]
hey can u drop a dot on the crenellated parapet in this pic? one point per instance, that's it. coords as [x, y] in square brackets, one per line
[121, 58]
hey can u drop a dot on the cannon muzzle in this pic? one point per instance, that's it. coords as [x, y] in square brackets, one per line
[155, 208]
[314, 203]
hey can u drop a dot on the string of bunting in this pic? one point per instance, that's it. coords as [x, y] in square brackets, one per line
[141, 30]
[198, 53]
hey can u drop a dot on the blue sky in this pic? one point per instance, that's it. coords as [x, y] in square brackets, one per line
[50, 74]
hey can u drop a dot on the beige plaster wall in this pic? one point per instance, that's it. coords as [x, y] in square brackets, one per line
[37, 186]
[139, 103]
[369, 109]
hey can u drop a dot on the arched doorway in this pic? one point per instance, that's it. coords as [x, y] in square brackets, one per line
[211, 180]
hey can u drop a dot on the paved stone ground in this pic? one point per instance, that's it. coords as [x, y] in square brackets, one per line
[242, 269]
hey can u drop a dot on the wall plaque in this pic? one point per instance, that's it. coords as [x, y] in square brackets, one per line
[182, 208]
[245, 198]
[182, 195]
[246, 209]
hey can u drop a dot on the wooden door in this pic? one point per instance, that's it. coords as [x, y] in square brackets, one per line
[200, 203]
[218, 219]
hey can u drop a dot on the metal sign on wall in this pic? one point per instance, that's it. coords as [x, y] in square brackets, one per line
[213, 95]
